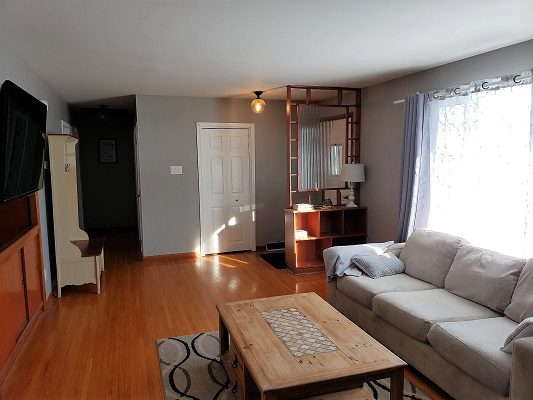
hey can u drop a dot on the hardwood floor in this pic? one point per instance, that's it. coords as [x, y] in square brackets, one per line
[89, 346]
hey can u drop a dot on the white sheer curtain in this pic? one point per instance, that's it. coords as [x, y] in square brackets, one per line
[474, 173]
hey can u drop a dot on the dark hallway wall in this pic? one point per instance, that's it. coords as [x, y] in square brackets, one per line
[108, 188]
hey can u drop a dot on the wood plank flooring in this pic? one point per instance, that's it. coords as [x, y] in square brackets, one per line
[89, 346]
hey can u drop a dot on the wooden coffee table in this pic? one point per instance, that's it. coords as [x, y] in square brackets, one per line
[298, 346]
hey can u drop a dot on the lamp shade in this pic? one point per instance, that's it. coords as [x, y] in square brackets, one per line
[258, 104]
[353, 173]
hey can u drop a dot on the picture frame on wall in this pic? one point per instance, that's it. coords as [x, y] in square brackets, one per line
[107, 151]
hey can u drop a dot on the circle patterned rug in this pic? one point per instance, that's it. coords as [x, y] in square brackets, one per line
[190, 369]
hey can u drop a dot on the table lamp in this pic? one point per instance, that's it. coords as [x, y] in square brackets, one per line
[352, 173]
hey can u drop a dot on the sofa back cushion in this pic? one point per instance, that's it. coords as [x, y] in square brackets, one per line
[521, 306]
[484, 276]
[428, 255]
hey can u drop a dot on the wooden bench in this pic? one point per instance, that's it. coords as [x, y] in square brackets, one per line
[93, 248]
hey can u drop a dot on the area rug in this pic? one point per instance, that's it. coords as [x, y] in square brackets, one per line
[275, 258]
[190, 369]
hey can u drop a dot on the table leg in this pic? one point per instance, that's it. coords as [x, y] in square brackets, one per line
[396, 385]
[223, 335]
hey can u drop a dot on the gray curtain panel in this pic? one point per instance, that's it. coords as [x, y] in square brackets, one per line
[415, 106]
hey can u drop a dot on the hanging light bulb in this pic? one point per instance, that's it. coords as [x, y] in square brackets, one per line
[258, 104]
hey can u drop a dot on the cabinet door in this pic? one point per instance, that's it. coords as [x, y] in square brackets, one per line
[32, 272]
[12, 304]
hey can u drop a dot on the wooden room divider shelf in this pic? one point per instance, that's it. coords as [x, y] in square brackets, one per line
[335, 226]
[343, 98]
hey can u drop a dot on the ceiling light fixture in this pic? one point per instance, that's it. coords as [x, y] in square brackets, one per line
[258, 104]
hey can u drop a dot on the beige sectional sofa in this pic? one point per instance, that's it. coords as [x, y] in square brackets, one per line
[449, 314]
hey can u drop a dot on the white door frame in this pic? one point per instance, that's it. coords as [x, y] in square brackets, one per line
[138, 192]
[251, 151]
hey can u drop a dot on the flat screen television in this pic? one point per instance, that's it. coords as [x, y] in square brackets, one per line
[22, 141]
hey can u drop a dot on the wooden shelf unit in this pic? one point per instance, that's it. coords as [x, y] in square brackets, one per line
[337, 226]
[344, 98]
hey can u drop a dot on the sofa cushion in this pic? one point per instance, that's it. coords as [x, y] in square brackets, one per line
[521, 306]
[484, 276]
[428, 255]
[363, 289]
[474, 347]
[416, 312]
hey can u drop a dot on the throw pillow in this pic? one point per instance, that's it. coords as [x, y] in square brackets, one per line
[428, 255]
[484, 276]
[395, 249]
[337, 258]
[524, 329]
[378, 265]
[521, 306]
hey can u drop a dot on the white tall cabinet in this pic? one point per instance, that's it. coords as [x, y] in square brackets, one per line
[79, 260]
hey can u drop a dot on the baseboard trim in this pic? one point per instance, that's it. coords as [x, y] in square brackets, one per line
[176, 256]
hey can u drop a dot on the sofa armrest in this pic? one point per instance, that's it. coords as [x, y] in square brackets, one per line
[331, 289]
[522, 370]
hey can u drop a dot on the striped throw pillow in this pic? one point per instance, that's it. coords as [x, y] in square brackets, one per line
[523, 329]
[378, 265]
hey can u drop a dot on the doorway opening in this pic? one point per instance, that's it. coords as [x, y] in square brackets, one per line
[107, 166]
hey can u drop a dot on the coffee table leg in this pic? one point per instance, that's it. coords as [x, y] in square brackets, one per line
[396, 385]
[223, 335]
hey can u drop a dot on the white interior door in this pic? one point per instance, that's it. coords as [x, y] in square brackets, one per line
[226, 184]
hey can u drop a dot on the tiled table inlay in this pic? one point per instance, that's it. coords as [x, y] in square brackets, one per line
[297, 332]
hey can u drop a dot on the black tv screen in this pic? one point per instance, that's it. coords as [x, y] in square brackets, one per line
[22, 141]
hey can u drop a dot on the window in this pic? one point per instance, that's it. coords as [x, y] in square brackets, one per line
[476, 169]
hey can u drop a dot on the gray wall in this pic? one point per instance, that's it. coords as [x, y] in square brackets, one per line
[382, 126]
[108, 188]
[14, 69]
[167, 136]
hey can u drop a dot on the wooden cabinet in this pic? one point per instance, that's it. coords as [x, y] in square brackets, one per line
[22, 293]
[32, 275]
[12, 302]
[337, 226]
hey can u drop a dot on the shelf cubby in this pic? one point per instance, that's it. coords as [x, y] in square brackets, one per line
[331, 223]
[336, 226]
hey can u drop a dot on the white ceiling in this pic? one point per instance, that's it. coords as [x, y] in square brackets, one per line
[96, 49]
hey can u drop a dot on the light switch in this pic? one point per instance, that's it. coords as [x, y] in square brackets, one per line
[176, 170]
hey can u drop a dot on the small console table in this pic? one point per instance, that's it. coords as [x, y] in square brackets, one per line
[336, 226]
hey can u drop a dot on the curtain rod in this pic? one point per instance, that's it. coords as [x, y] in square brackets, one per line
[485, 84]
